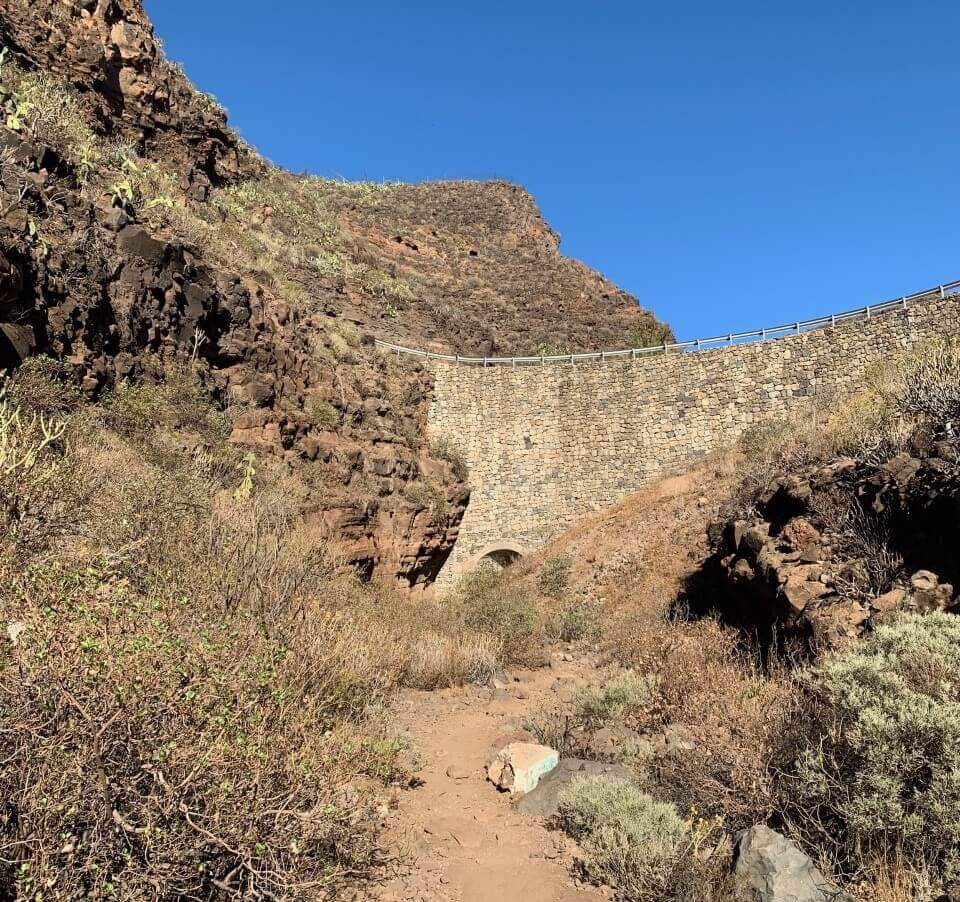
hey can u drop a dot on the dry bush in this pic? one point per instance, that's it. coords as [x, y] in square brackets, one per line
[891, 880]
[554, 576]
[446, 449]
[183, 706]
[775, 447]
[175, 403]
[928, 384]
[156, 744]
[264, 564]
[42, 385]
[698, 677]
[582, 620]
[648, 333]
[861, 536]
[493, 604]
[438, 659]
[620, 695]
[918, 390]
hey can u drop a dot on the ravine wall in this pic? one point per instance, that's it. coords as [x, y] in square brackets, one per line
[547, 445]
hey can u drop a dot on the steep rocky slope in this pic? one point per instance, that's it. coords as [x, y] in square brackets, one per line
[137, 228]
[835, 549]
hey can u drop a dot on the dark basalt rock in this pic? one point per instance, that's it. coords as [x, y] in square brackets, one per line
[793, 574]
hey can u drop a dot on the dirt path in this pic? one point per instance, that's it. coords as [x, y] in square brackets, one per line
[465, 841]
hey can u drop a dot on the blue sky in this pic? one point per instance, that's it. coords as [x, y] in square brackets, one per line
[732, 165]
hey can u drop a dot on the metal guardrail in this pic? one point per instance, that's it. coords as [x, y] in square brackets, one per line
[699, 344]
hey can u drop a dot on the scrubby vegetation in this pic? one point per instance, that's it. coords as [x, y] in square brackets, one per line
[622, 694]
[912, 399]
[580, 620]
[877, 777]
[852, 755]
[554, 577]
[193, 684]
[636, 844]
[628, 836]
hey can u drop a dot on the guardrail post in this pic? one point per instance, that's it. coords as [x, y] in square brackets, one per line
[941, 291]
[664, 347]
[797, 326]
[869, 312]
[833, 319]
[513, 362]
[603, 356]
[541, 360]
[730, 339]
[484, 362]
[904, 299]
[458, 360]
[633, 353]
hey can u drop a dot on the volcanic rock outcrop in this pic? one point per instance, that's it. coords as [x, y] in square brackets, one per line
[837, 548]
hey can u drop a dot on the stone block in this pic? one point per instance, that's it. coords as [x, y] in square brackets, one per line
[518, 767]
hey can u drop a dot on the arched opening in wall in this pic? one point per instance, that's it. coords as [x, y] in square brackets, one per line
[499, 559]
[497, 556]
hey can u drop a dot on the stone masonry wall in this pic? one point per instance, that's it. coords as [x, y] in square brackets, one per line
[549, 444]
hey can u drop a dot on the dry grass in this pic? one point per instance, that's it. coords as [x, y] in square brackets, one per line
[891, 880]
[733, 711]
[190, 684]
[902, 402]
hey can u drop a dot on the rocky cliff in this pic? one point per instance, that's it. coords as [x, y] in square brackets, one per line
[137, 229]
[834, 549]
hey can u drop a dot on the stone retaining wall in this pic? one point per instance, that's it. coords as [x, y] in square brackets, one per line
[547, 445]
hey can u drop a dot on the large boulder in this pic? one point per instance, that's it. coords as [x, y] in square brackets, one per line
[770, 868]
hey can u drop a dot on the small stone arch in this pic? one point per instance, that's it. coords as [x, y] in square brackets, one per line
[498, 554]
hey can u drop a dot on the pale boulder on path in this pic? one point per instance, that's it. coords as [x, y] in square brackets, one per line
[519, 766]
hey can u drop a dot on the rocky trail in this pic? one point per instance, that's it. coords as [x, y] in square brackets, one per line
[465, 841]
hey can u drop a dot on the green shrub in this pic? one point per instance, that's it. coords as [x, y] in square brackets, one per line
[42, 385]
[495, 606]
[445, 449]
[648, 333]
[54, 115]
[878, 766]
[136, 410]
[614, 699]
[628, 839]
[554, 577]
[321, 414]
[579, 621]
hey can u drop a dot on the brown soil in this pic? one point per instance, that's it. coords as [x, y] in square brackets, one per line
[464, 841]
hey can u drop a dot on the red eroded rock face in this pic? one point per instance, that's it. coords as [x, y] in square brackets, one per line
[107, 48]
[98, 290]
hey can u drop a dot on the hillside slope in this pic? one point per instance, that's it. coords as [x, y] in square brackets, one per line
[463, 265]
[136, 229]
